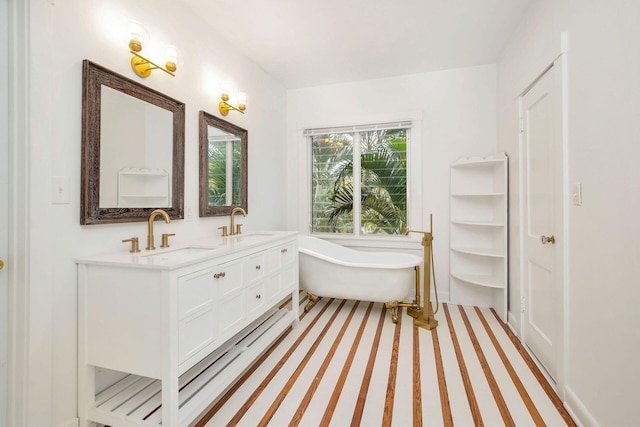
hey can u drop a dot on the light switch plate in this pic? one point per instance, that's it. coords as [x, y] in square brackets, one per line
[60, 190]
[576, 194]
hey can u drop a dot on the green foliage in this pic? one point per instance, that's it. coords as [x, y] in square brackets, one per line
[383, 184]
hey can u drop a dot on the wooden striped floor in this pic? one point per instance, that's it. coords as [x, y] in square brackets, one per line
[347, 364]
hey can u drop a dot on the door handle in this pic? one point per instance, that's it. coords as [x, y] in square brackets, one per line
[1, 264]
[550, 239]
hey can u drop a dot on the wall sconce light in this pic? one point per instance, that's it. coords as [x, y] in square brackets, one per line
[225, 107]
[143, 66]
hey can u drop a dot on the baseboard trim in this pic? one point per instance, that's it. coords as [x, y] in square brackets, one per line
[513, 323]
[578, 410]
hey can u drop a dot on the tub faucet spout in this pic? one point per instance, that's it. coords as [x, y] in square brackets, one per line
[235, 210]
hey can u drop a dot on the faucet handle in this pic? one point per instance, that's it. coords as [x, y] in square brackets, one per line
[224, 230]
[134, 244]
[165, 239]
[238, 228]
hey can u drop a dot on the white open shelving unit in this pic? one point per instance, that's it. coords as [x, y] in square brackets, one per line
[143, 188]
[479, 232]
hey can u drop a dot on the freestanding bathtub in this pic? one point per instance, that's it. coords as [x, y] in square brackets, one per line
[331, 270]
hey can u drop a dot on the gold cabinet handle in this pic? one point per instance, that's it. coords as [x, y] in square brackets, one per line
[258, 267]
[219, 275]
[1, 264]
[549, 239]
[283, 251]
[258, 296]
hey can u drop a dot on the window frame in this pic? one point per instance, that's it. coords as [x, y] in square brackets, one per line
[413, 179]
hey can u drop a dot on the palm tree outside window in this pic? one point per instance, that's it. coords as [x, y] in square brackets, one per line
[359, 182]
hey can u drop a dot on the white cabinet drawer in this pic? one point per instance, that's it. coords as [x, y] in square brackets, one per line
[280, 256]
[228, 277]
[196, 333]
[255, 295]
[255, 267]
[195, 291]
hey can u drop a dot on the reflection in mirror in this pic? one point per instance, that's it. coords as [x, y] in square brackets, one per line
[223, 166]
[132, 149]
[142, 178]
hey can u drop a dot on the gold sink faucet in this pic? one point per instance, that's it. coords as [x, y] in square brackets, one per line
[235, 210]
[150, 243]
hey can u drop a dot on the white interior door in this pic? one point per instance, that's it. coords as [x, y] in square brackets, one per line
[541, 114]
[4, 206]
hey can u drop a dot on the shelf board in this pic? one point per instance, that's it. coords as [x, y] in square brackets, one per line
[480, 280]
[474, 162]
[479, 223]
[137, 401]
[477, 194]
[488, 252]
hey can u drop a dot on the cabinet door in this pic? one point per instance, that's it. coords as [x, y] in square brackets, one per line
[230, 284]
[198, 322]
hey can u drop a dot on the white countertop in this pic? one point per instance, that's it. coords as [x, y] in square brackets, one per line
[182, 254]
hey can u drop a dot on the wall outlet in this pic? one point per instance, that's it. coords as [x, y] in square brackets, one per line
[60, 190]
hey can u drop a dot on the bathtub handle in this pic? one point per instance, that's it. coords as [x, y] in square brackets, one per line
[283, 251]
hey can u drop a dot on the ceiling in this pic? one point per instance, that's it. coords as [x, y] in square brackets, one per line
[306, 43]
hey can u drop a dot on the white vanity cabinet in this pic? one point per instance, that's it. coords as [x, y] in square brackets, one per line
[167, 327]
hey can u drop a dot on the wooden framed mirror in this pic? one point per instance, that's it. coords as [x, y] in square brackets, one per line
[132, 149]
[223, 166]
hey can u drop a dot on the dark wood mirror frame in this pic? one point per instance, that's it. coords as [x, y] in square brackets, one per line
[93, 78]
[207, 120]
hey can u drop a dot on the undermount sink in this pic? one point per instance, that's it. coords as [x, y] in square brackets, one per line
[178, 253]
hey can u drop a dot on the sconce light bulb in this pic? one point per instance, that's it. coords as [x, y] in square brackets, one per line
[242, 101]
[136, 34]
[171, 56]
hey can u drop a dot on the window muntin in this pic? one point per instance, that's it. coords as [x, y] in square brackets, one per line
[379, 158]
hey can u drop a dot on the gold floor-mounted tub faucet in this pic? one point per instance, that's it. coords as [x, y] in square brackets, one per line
[150, 240]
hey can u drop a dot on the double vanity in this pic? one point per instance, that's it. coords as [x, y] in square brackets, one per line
[176, 326]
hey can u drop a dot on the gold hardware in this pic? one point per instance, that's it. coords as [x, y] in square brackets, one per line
[550, 239]
[225, 107]
[1, 264]
[312, 301]
[219, 275]
[258, 296]
[224, 230]
[257, 267]
[134, 244]
[238, 228]
[165, 239]
[233, 213]
[150, 240]
[422, 315]
[283, 251]
[393, 307]
[143, 66]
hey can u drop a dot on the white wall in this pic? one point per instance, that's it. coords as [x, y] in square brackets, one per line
[63, 33]
[604, 134]
[453, 114]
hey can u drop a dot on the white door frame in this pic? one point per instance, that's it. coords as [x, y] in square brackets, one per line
[563, 241]
[18, 262]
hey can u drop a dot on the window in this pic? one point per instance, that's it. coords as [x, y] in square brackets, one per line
[359, 179]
